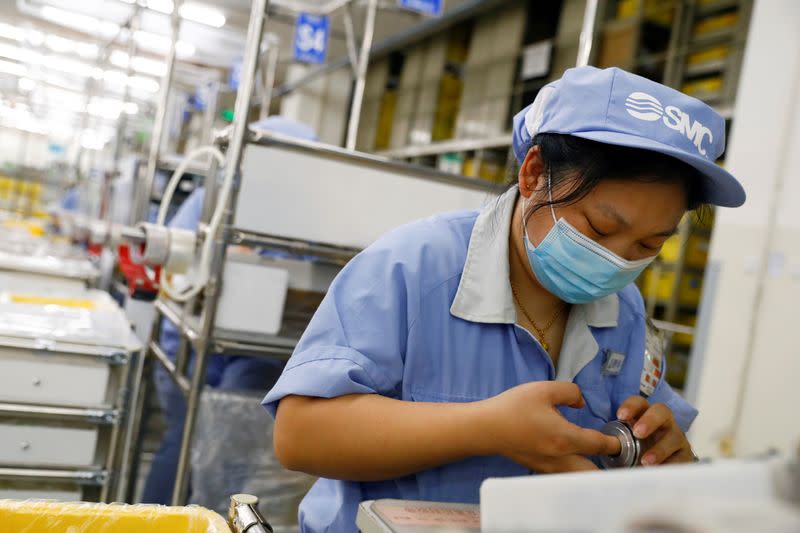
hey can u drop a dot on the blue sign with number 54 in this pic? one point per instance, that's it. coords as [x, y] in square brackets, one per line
[426, 7]
[311, 38]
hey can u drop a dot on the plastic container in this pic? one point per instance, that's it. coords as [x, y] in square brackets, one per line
[696, 250]
[27, 516]
[663, 285]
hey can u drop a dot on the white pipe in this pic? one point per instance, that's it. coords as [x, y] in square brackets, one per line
[204, 261]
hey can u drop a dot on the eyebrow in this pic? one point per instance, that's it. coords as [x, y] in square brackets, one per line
[616, 215]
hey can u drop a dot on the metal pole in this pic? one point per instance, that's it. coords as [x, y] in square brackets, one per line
[145, 188]
[122, 123]
[363, 62]
[233, 158]
[270, 68]
[350, 34]
[587, 33]
[89, 88]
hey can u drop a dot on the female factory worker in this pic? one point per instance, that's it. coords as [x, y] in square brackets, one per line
[224, 372]
[474, 345]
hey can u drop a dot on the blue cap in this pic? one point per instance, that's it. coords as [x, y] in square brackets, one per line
[616, 107]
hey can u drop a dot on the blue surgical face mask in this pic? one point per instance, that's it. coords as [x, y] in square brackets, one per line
[575, 268]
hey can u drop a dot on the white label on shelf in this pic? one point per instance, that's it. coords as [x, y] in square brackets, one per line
[536, 59]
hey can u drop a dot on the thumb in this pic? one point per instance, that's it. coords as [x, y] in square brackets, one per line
[591, 442]
[562, 393]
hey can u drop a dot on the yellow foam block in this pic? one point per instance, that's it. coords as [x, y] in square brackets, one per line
[25, 516]
[45, 300]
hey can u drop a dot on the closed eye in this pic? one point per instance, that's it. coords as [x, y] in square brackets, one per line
[594, 229]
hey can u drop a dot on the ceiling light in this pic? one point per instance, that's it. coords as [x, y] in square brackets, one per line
[7, 31]
[92, 140]
[203, 14]
[79, 21]
[59, 44]
[70, 66]
[12, 68]
[140, 64]
[146, 84]
[87, 50]
[160, 43]
[162, 6]
[35, 38]
[105, 108]
[19, 54]
[26, 84]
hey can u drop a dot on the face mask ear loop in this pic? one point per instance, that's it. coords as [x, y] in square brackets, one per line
[550, 195]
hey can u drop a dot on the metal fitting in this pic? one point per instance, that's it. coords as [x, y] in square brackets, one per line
[630, 453]
[180, 255]
[243, 515]
[98, 232]
[156, 245]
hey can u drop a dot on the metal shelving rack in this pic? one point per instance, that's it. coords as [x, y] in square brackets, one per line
[115, 423]
[195, 320]
[497, 147]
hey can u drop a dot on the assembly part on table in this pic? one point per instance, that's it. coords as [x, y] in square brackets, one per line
[404, 516]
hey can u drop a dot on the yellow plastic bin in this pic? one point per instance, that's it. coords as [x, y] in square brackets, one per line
[53, 517]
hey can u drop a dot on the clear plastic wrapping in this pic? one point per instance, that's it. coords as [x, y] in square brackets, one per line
[35, 516]
[49, 265]
[232, 453]
[91, 318]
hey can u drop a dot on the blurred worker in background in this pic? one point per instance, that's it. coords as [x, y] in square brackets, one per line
[224, 372]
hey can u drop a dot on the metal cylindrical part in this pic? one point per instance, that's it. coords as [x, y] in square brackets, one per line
[156, 245]
[631, 448]
[243, 515]
[99, 232]
[181, 250]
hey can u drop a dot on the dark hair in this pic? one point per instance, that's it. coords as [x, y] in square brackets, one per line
[578, 165]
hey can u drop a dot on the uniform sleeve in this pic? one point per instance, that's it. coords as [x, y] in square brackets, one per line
[636, 379]
[683, 411]
[356, 341]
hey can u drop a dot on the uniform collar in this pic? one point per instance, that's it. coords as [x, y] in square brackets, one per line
[484, 292]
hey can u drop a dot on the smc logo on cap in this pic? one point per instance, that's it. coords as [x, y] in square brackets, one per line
[615, 107]
[644, 107]
[647, 107]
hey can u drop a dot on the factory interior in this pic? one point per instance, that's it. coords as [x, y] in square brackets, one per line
[574, 224]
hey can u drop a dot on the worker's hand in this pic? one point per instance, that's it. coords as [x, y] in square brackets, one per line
[656, 424]
[525, 426]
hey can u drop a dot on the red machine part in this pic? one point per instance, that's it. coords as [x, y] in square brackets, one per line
[141, 278]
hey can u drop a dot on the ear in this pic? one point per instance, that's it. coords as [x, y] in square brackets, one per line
[531, 174]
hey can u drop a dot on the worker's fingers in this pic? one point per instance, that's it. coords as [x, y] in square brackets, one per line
[656, 417]
[569, 463]
[575, 440]
[684, 455]
[671, 443]
[561, 393]
[632, 408]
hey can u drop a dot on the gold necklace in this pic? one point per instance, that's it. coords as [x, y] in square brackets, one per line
[539, 331]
